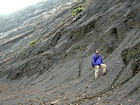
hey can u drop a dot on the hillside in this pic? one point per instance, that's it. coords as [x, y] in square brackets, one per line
[46, 51]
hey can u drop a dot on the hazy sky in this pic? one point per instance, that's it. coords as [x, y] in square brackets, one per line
[9, 6]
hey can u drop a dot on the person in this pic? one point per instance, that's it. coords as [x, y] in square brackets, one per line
[98, 62]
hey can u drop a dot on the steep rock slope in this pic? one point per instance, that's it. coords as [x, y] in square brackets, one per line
[17, 30]
[58, 71]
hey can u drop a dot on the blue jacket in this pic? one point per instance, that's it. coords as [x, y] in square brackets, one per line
[96, 60]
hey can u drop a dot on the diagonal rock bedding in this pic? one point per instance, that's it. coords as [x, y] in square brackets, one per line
[57, 70]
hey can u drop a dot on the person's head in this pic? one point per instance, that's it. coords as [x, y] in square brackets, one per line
[96, 52]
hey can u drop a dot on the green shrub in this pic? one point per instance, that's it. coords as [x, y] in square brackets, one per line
[79, 0]
[87, 0]
[32, 43]
[34, 27]
[82, 5]
[21, 51]
[25, 48]
[69, 10]
[61, 23]
[77, 10]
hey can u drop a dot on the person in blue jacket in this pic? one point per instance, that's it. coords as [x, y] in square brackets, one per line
[98, 62]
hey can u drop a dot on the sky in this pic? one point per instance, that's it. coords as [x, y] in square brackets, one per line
[10, 6]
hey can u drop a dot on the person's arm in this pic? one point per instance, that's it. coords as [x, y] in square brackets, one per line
[95, 58]
[102, 60]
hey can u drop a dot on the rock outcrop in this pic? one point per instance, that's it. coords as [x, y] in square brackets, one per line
[55, 69]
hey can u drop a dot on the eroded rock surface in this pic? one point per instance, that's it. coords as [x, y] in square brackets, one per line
[57, 69]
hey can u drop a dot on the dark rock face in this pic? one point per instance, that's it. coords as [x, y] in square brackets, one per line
[57, 69]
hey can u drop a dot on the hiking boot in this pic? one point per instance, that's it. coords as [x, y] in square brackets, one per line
[104, 74]
[96, 78]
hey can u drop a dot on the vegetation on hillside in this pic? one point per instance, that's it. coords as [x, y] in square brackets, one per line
[33, 42]
[78, 10]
